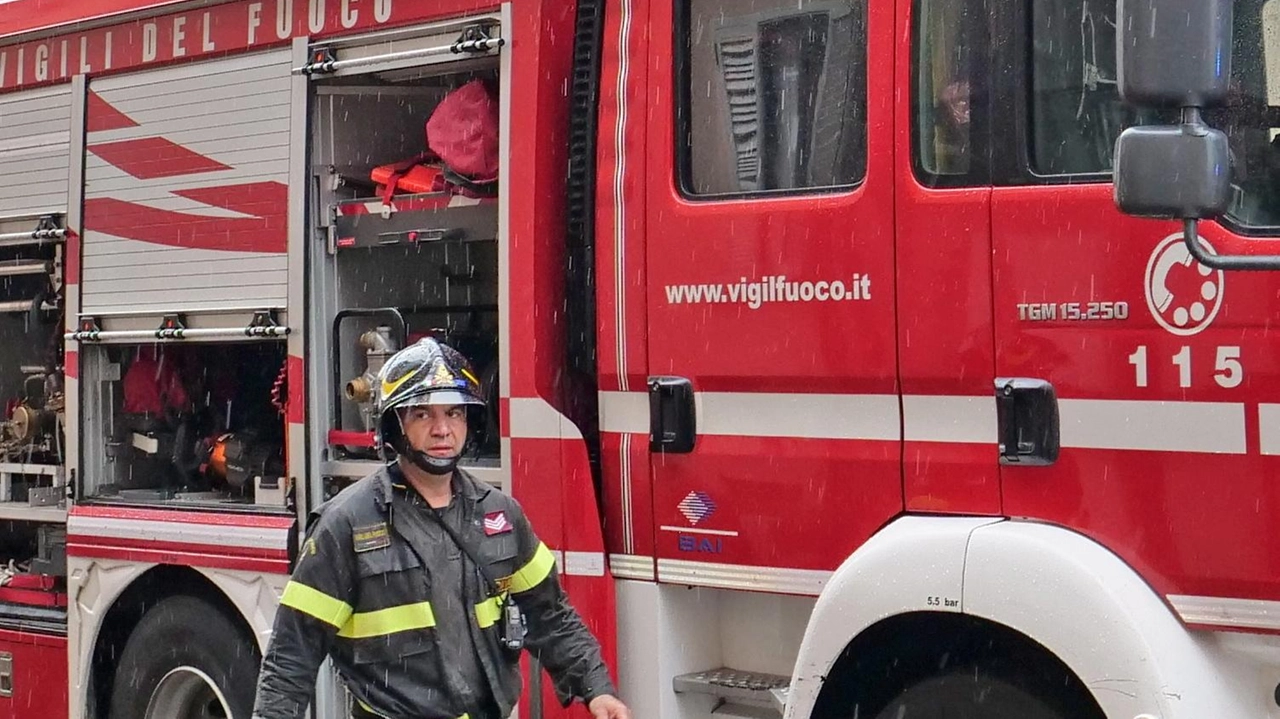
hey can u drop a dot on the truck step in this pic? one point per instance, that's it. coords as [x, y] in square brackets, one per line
[766, 691]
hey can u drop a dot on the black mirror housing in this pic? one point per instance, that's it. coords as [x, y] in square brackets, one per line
[1174, 53]
[1173, 172]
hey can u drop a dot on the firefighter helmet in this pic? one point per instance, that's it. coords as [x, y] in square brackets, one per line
[426, 372]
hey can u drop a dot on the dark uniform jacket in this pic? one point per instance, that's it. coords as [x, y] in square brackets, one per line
[359, 594]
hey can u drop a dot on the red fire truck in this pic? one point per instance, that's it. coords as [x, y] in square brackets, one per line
[815, 343]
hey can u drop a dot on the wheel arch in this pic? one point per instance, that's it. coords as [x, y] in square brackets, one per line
[122, 603]
[889, 657]
[1053, 587]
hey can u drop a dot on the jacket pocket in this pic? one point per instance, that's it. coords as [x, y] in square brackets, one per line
[393, 647]
[393, 617]
[386, 560]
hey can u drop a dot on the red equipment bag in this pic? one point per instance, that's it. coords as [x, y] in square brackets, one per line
[462, 143]
[463, 131]
[153, 384]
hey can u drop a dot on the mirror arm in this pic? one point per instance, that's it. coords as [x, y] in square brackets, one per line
[1224, 262]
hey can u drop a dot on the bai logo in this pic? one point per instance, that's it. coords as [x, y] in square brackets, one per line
[697, 507]
[1183, 295]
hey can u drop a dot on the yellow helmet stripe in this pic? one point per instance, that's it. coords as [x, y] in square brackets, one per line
[389, 387]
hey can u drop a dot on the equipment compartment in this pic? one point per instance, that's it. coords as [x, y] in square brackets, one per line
[429, 134]
[419, 261]
[185, 423]
[32, 437]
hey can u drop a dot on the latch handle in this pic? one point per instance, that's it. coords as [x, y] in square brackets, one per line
[673, 424]
[1027, 417]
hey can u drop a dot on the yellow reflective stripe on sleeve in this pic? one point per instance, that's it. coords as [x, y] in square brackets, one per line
[369, 709]
[536, 570]
[363, 625]
[315, 603]
[489, 612]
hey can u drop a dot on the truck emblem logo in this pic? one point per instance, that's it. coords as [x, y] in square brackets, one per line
[696, 507]
[1183, 295]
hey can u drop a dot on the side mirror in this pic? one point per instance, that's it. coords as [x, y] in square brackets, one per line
[1177, 54]
[1174, 53]
[1173, 172]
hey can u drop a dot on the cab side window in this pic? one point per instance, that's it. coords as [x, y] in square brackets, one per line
[773, 95]
[1076, 114]
[1251, 118]
[1076, 111]
[948, 93]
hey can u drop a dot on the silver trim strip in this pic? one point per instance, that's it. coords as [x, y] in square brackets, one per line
[785, 580]
[217, 535]
[631, 566]
[1227, 611]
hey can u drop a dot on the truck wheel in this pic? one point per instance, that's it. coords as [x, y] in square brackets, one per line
[969, 694]
[185, 660]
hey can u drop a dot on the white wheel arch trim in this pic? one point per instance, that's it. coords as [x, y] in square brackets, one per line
[96, 584]
[1056, 587]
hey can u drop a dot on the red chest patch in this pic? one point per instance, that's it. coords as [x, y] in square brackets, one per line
[496, 523]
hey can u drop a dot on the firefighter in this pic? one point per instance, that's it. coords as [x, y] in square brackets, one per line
[423, 584]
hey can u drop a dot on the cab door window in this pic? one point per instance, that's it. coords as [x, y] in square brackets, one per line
[1076, 114]
[773, 96]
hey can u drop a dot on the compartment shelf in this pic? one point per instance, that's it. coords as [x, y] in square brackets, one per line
[412, 219]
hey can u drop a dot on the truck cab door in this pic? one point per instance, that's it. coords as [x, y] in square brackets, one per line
[772, 394]
[1162, 370]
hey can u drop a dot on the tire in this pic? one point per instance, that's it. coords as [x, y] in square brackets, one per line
[971, 694]
[186, 660]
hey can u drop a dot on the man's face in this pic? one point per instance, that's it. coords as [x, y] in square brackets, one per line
[439, 430]
[956, 99]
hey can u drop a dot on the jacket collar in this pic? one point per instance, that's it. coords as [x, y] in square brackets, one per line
[390, 478]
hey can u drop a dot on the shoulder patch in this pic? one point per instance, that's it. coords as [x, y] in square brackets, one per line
[371, 537]
[496, 523]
